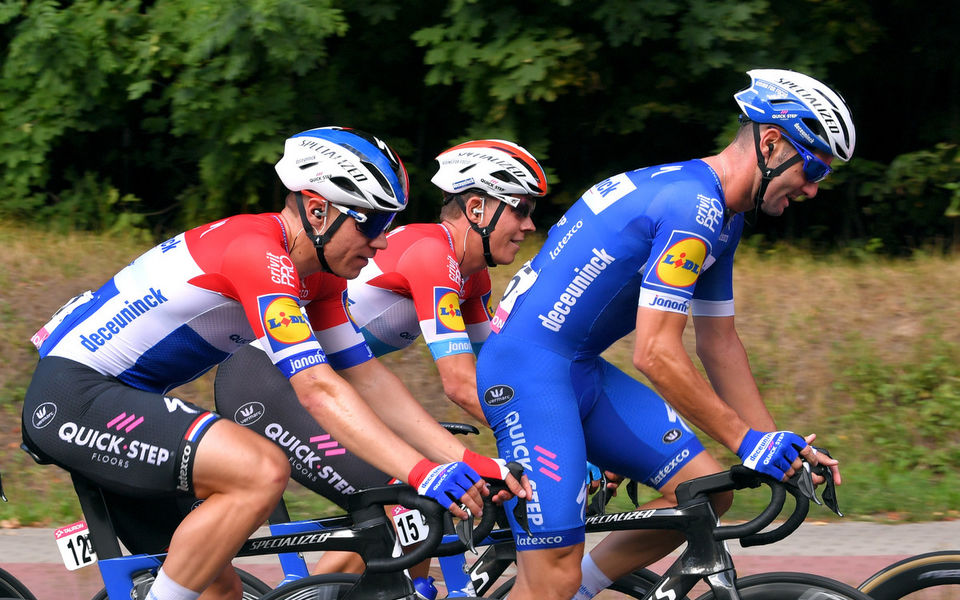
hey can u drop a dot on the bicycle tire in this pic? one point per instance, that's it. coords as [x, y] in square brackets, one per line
[315, 587]
[253, 587]
[913, 574]
[11, 587]
[792, 586]
[634, 585]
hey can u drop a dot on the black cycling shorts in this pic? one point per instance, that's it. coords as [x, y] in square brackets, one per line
[129, 441]
[250, 390]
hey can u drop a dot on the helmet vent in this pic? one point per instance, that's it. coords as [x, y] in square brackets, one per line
[379, 177]
[345, 184]
[505, 176]
[306, 166]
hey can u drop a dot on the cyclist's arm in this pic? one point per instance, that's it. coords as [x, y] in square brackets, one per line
[458, 373]
[725, 360]
[342, 411]
[659, 354]
[393, 403]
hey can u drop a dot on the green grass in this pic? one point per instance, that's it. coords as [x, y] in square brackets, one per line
[861, 350]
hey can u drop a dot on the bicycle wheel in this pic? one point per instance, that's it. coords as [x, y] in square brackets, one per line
[10, 587]
[634, 585]
[253, 588]
[315, 587]
[906, 579]
[792, 586]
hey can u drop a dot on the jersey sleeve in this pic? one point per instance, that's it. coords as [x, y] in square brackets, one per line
[329, 314]
[435, 289]
[258, 272]
[477, 309]
[713, 296]
[682, 249]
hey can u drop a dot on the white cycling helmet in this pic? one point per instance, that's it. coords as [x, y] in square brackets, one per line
[495, 167]
[812, 114]
[345, 166]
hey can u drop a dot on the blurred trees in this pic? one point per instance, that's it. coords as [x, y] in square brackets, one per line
[161, 114]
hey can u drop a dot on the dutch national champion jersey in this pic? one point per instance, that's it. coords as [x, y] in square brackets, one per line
[659, 237]
[414, 286]
[188, 303]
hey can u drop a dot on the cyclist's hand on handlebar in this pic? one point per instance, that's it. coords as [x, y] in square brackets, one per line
[455, 486]
[774, 453]
[496, 469]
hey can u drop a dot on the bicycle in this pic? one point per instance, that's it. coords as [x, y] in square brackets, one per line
[705, 558]
[366, 528]
[939, 570]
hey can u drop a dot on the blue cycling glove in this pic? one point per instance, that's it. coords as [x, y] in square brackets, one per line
[770, 453]
[443, 483]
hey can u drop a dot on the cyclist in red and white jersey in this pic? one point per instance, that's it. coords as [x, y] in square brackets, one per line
[99, 402]
[431, 279]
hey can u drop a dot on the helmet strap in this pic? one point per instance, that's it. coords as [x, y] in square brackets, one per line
[484, 231]
[319, 239]
[767, 173]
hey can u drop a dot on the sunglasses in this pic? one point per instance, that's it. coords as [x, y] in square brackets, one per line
[523, 208]
[370, 224]
[814, 169]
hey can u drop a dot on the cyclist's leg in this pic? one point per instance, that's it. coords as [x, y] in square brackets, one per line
[531, 404]
[664, 453]
[145, 444]
[227, 585]
[240, 476]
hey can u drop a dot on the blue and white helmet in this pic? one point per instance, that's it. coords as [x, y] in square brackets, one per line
[811, 114]
[345, 166]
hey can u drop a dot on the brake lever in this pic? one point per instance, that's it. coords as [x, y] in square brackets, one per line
[598, 505]
[520, 507]
[464, 529]
[803, 481]
[829, 493]
[632, 493]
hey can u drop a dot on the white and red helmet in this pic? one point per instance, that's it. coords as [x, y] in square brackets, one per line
[495, 167]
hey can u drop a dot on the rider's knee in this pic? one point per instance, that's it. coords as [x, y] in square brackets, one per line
[557, 578]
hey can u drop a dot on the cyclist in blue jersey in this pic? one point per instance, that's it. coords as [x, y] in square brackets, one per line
[642, 250]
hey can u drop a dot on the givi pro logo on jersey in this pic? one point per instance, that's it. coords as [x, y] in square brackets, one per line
[681, 263]
[449, 317]
[283, 322]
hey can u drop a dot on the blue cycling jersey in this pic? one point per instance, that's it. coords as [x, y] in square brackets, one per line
[659, 238]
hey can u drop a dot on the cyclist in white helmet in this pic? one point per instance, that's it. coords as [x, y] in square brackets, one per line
[430, 280]
[657, 244]
[110, 359]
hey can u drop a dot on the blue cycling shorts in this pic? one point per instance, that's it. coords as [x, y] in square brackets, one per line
[552, 415]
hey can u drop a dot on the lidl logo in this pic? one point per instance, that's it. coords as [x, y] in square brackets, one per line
[283, 321]
[682, 262]
[449, 317]
[487, 300]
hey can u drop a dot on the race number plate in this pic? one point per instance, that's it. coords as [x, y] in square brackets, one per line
[411, 526]
[75, 546]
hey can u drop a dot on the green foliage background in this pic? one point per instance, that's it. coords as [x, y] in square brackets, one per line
[158, 115]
